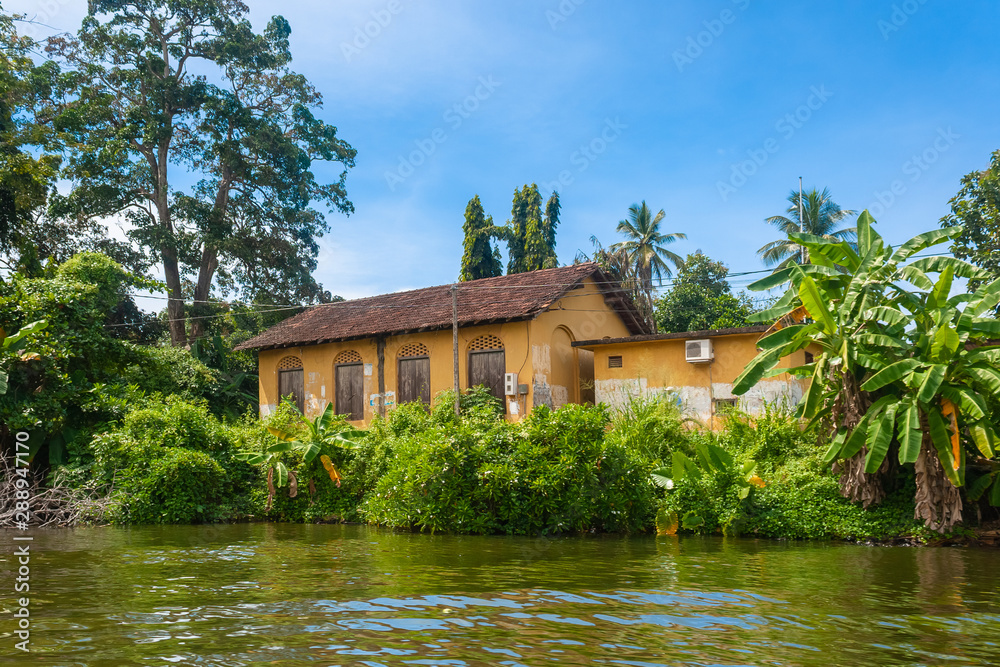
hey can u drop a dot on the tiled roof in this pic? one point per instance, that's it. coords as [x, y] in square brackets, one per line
[519, 296]
[680, 335]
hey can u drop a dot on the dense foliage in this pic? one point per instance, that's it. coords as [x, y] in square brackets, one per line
[902, 365]
[700, 298]
[480, 258]
[976, 209]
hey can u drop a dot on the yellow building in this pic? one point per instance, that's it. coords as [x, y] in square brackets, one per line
[698, 367]
[515, 336]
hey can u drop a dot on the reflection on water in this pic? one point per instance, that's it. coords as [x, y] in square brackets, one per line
[352, 595]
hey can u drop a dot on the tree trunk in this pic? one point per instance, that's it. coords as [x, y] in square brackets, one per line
[202, 290]
[175, 299]
[938, 502]
[855, 484]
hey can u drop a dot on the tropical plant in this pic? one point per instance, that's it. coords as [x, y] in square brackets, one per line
[976, 208]
[700, 298]
[530, 237]
[645, 251]
[13, 344]
[152, 85]
[821, 216]
[318, 438]
[481, 259]
[890, 360]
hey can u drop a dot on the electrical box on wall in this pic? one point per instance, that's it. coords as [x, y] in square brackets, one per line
[510, 384]
[698, 351]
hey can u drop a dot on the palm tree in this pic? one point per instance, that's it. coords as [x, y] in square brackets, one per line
[822, 217]
[645, 252]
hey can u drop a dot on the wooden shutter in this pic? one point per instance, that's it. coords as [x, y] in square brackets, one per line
[290, 383]
[488, 368]
[349, 380]
[414, 380]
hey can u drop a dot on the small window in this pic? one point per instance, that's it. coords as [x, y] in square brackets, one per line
[809, 357]
[726, 404]
[615, 361]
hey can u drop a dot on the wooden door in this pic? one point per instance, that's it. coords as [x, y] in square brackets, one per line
[487, 368]
[290, 383]
[349, 387]
[414, 380]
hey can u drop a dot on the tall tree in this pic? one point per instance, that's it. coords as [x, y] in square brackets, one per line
[481, 258]
[645, 248]
[700, 298]
[170, 92]
[976, 208]
[28, 160]
[821, 216]
[531, 239]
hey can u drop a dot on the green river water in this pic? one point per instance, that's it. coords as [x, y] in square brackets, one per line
[266, 594]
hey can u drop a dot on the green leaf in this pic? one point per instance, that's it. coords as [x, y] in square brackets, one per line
[960, 268]
[776, 279]
[881, 340]
[942, 443]
[916, 277]
[879, 436]
[282, 474]
[971, 403]
[11, 342]
[923, 241]
[942, 288]
[253, 458]
[932, 382]
[995, 493]
[944, 344]
[692, 520]
[684, 467]
[984, 437]
[661, 478]
[812, 299]
[784, 305]
[857, 438]
[910, 434]
[866, 232]
[3, 383]
[309, 452]
[281, 435]
[985, 298]
[978, 487]
[988, 376]
[720, 458]
[755, 370]
[890, 374]
[781, 337]
[279, 447]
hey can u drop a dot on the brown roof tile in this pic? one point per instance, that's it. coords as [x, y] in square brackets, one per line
[680, 335]
[514, 297]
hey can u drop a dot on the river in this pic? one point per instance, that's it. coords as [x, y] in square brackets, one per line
[281, 594]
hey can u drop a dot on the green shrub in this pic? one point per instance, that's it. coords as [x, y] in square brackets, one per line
[653, 428]
[173, 462]
[551, 473]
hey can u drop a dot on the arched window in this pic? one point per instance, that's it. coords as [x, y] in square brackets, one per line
[487, 364]
[349, 385]
[413, 374]
[291, 382]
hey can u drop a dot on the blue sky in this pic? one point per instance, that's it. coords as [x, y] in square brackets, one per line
[709, 110]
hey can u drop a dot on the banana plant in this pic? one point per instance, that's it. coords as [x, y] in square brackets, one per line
[711, 460]
[899, 359]
[320, 435]
[15, 343]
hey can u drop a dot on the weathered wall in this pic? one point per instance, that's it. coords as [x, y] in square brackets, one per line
[539, 351]
[658, 367]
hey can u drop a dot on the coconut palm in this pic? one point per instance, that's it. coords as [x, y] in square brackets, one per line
[822, 217]
[645, 249]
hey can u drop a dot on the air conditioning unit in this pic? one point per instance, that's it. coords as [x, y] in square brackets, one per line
[698, 351]
[510, 384]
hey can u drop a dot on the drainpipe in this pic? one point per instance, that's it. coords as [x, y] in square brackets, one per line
[380, 347]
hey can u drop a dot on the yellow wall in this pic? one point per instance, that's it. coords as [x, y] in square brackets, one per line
[659, 367]
[538, 350]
